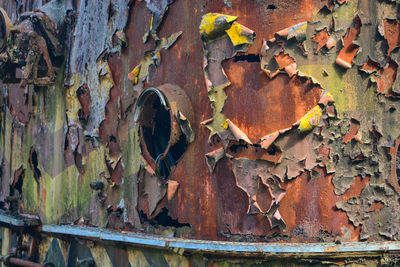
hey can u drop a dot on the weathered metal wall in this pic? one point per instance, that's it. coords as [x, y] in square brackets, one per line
[294, 115]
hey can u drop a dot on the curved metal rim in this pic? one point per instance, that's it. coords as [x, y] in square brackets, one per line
[143, 97]
[8, 26]
[3, 27]
[138, 108]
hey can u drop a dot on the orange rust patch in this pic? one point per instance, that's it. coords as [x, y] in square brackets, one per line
[263, 116]
[370, 66]
[308, 201]
[354, 127]
[324, 151]
[284, 60]
[144, 205]
[356, 188]
[376, 205]
[384, 78]
[392, 33]
[172, 187]
[387, 78]
[323, 39]
[286, 63]
[349, 50]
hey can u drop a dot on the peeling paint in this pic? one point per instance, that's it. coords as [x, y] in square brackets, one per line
[350, 49]
[291, 137]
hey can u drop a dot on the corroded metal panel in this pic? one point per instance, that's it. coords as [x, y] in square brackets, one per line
[217, 120]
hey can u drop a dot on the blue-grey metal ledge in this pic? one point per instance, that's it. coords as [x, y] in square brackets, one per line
[136, 239]
[202, 246]
[17, 221]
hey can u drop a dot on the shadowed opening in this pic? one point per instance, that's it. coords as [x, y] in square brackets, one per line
[156, 130]
[248, 57]
[163, 219]
[33, 162]
[398, 165]
[155, 126]
[3, 32]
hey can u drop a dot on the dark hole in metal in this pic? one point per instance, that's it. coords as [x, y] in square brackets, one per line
[157, 134]
[163, 219]
[235, 148]
[18, 182]
[66, 142]
[155, 124]
[271, 7]
[33, 162]
[2, 33]
[272, 150]
[248, 58]
[78, 161]
[179, 148]
[398, 165]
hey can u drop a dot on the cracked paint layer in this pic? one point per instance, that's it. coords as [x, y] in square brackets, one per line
[301, 136]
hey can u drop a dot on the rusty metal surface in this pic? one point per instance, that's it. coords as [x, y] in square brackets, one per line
[293, 107]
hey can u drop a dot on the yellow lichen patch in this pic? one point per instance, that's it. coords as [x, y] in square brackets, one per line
[134, 74]
[217, 97]
[68, 191]
[311, 119]
[343, 86]
[105, 79]
[215, 124]
[72, 102]
[151, 22]
[131, 151]
[225, 124]
[236, 35]
[213, 23]
[153, 57]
